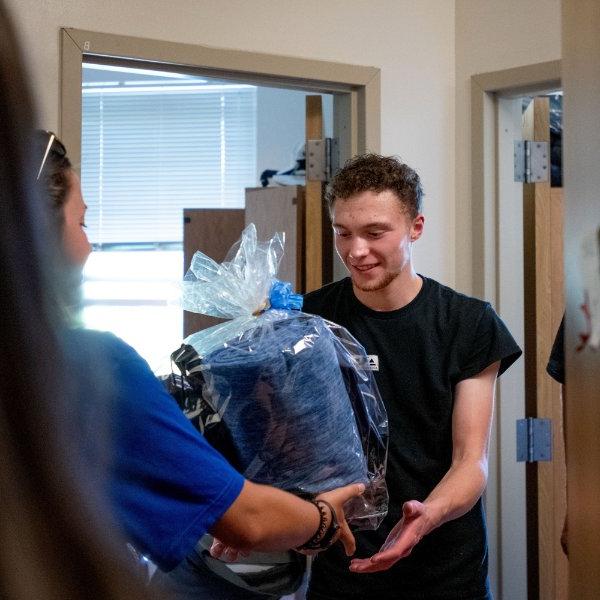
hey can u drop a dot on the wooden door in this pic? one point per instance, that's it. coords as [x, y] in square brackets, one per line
[544, 307]
[318, 260]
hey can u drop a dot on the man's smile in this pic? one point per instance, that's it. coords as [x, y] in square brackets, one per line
[363, 268]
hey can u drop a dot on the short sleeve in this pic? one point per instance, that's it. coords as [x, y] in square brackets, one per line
[489, 342]
[167, 485]
[556, 363]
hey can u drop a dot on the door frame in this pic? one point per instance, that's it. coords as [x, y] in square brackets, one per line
[493, 194]
[356, 89]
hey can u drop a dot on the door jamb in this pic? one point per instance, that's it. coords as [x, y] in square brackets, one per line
[356, 89]
[486, 194]
[485, 88]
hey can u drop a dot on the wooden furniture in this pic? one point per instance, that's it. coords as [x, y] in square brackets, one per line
[212, 231]
[274, 209]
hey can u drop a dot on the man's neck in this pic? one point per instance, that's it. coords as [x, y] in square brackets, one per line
[400, 292]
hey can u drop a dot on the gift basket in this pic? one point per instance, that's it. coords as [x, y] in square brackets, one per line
[285, 396]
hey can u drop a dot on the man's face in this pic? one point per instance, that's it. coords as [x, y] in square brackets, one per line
[75, 242]
[373, 236]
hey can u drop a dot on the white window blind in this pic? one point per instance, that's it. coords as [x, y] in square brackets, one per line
[148, 152]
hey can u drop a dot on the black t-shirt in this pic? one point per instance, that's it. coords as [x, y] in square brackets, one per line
[421, 352]
[556, 362]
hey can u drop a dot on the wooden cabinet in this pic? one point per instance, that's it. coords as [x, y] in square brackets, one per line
[212, 231]
[281, 209]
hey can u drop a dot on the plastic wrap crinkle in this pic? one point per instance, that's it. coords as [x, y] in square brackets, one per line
[286, 396]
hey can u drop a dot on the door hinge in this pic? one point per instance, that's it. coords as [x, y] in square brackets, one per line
[532, 164]
[322, 159]
[534, 440]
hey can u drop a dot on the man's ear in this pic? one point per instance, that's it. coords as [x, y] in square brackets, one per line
[416, 227]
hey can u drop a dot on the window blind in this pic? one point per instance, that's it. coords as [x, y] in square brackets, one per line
[148, 153]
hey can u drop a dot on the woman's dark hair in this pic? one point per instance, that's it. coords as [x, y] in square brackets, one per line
[53, 171]
[55, 542]
[376, 173]
[53, 182]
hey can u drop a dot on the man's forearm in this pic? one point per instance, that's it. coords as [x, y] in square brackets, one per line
[465, 481]
[457, 492]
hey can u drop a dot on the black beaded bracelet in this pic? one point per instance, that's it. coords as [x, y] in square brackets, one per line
[323, 537]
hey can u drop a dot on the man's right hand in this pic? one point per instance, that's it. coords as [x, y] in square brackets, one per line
[406, 534]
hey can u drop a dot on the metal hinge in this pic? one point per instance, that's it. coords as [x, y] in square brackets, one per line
[534, 440]
[322, 159]
[532, 163]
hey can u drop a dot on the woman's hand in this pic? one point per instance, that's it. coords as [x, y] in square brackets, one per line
[337, 498]
[226, 553]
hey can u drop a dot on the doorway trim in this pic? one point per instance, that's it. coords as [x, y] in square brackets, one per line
[497, 282]
[485, 88]
[356, 89]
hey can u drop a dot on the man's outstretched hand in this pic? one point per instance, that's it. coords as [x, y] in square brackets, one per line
[406, 534]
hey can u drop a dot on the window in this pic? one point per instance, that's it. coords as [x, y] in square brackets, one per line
[154, 143]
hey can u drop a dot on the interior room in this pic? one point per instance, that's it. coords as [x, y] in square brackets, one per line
[188, 120]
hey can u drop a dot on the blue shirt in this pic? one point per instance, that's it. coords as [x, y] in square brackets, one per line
[167, 485]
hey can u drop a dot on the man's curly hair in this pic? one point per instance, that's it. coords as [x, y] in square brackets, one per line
[376, 173]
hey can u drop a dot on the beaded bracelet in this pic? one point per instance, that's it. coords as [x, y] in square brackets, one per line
[324, 536]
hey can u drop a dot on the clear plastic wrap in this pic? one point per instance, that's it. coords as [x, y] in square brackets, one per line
[286, 396]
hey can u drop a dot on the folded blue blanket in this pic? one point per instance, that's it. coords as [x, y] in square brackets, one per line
[282, 396]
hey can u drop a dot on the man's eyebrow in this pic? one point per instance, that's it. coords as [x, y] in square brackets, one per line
[373, 225]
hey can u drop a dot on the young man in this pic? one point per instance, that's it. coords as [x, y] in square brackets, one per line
[436, 355]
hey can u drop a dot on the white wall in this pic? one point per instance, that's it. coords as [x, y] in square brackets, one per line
[491, 36]
[411, 42]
